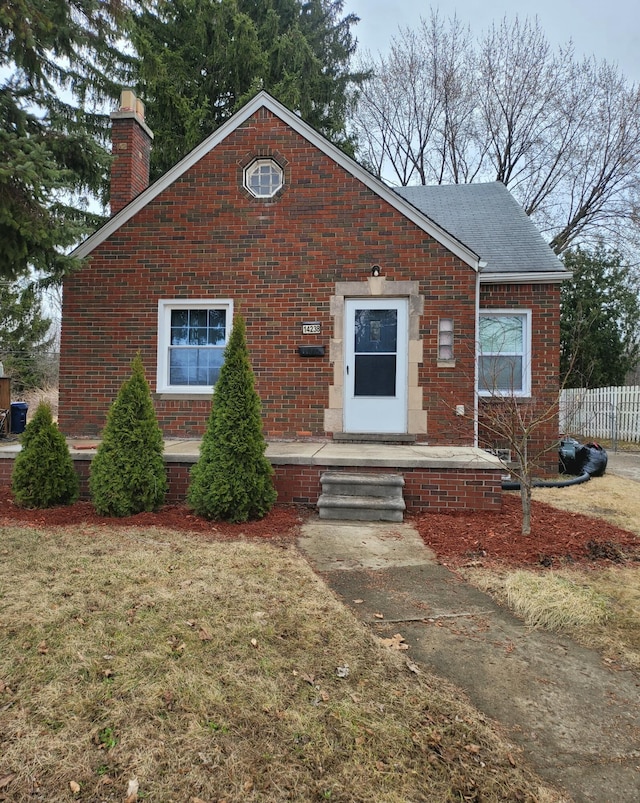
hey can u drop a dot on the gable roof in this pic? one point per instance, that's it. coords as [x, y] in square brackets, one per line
[488, 219]
[264, 100]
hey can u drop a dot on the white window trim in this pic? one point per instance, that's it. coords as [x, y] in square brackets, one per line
[526, 355]
[256, 163]
[165, 306]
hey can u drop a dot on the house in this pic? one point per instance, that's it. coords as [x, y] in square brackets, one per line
[363, 303]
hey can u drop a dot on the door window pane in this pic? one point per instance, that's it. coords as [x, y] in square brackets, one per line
[375, 375]
[376, 331]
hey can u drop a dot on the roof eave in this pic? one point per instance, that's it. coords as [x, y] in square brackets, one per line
[535, 277]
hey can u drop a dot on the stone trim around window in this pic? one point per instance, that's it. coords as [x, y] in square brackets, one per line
[376, 287]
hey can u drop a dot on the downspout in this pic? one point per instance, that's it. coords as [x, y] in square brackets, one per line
[476, 346]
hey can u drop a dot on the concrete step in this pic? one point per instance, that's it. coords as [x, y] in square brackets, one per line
[344, 483]
[361, 497]
[360, 508]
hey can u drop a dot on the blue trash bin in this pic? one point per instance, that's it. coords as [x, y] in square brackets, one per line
[18, 417]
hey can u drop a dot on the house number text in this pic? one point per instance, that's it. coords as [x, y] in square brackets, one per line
[310, 328]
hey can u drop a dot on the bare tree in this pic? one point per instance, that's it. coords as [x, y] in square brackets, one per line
[562, 134]
[416, 104]
[516, 425]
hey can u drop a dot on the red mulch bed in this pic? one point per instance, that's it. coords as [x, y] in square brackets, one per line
[282, 521]
[467, 538]
[558, 538]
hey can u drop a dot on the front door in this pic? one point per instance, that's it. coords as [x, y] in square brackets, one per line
[375, 382]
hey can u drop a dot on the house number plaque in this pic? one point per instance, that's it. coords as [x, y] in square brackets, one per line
[310, 328]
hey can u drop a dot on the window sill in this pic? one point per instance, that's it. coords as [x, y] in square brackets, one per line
[170, 396]
[497, 398]
[446, 363]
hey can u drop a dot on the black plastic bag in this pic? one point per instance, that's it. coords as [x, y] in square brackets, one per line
[577, 458]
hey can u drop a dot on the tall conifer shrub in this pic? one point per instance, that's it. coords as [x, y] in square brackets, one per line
[232, 480]
[43, 473]
[128, 474]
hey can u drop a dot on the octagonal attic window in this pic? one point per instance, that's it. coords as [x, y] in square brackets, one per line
[263, 178]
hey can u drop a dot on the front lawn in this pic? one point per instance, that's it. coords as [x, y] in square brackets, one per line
[148, 664]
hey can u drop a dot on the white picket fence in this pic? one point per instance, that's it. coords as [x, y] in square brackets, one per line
[601, 413]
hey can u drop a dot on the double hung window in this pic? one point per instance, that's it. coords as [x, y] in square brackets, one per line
[504, 359]
[192, 337]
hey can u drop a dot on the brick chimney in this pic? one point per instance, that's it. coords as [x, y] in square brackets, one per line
[131, 147]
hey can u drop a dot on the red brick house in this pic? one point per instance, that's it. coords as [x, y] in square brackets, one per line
[364, 305]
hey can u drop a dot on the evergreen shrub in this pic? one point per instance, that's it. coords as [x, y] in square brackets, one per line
[128, 474]
[43, 473]
[232, 480]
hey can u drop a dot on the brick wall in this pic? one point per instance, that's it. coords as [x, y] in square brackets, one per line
[206, 237]
[426, 489]
[540, 409]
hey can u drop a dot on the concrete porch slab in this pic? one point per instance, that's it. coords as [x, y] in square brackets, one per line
[317, 453]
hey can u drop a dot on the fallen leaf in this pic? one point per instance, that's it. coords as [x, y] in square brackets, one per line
[378, 615]
[74, 786]
[6, 780]
[247, 786]
[358, 601]
[342, 671]
[196, 800]
[413, 668]
[395, 642]
[132, 791]
[254, 642]
[472, 748]
[204, 634]
[511, 760]
[309, 679]
[42, 648]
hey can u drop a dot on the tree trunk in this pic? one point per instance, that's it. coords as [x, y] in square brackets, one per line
[525, 496]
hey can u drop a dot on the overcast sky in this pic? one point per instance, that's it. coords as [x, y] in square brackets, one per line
[606, 29]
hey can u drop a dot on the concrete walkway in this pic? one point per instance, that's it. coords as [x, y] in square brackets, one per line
[624, 464]
[576, 718]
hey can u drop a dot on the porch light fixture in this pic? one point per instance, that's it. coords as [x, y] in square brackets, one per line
[376, 270]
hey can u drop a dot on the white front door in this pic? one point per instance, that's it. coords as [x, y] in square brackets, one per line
[375, 381]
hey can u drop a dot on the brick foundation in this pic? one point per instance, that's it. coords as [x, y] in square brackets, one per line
[426, 489]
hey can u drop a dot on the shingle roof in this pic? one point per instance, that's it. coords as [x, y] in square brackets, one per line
[488, 219]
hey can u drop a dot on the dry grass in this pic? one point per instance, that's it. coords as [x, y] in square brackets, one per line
[216, 672]
[553, 601]
[614, 499]
[598, 608]
[35, 396]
